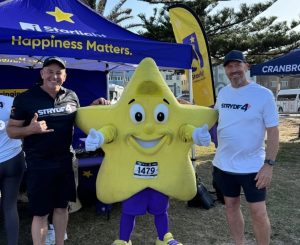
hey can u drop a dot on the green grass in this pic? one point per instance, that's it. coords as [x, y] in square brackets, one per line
[194, 226]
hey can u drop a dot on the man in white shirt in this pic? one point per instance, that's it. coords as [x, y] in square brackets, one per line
[246, 112]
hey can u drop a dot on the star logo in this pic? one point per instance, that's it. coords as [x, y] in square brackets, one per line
[143, 142]
[60, 15]
[87, 173]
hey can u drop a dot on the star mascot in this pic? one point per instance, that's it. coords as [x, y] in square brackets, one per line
[146, 137]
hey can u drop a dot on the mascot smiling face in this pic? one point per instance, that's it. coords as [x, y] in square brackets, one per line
[147, 150]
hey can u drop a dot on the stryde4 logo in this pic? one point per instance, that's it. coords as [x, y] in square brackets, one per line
[244, 107]
[49, 111]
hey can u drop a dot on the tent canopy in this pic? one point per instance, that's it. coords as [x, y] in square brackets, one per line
[33, 62]
[283, 65]
[71, 29]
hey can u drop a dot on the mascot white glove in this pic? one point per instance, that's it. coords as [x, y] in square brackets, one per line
[94, 140]
[201, 136]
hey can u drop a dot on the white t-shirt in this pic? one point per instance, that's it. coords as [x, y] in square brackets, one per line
[244, 115]
[8, 147]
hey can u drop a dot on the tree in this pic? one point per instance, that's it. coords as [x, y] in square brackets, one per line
[261, 38]
[116, 15]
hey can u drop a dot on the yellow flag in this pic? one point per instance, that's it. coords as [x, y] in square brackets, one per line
[188, 29]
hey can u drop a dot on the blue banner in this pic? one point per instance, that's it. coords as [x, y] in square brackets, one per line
[286, 64]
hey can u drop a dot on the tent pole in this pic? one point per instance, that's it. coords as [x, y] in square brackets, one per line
[190, 82]
[107, 81]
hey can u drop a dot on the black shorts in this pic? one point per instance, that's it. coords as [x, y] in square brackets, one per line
[230, 185]
[50, 188]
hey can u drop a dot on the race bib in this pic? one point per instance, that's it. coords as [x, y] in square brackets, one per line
[144, 170]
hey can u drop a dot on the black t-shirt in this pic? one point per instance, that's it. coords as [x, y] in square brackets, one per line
[59, 114]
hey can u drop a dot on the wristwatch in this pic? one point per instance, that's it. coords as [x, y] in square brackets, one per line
[270, 162]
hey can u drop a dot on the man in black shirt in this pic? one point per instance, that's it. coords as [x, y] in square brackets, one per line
[44, 117]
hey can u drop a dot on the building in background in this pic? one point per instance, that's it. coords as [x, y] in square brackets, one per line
[120, 78]
[276, 83]
[179, 85]
[176, 82]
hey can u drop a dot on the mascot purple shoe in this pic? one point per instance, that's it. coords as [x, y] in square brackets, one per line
[146, 137]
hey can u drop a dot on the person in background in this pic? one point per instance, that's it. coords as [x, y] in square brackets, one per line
[247, 111]
[44, 117]
[12, 166]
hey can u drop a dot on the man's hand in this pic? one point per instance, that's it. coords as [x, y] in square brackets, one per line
[182, 101]
[264, 176]
[201, 136]
[101, 101]
[94, 140]
[39, 127]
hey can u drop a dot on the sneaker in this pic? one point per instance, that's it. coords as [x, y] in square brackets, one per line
[121, 242]
[50, 238]
[168, 240]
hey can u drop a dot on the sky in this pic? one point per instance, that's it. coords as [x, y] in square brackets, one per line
[283, 9]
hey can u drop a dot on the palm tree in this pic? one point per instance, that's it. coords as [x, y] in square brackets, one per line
[116, 15]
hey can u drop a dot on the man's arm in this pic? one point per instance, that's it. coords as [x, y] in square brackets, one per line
[16, 129]
[264, 176]
[272, 144]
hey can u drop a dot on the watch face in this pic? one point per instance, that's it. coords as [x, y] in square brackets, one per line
[270, 162]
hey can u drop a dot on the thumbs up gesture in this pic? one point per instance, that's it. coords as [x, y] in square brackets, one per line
[39, 127]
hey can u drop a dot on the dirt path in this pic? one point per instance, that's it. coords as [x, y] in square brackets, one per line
[289, 127]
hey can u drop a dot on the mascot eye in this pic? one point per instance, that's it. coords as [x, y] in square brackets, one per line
[137, 113]
[161, 113]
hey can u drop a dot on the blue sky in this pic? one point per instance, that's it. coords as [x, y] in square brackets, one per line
[283, 9]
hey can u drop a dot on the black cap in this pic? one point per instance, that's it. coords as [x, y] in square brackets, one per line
[234, 55]
[54, 60]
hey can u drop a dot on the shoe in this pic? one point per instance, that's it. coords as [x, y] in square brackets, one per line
[50, 238]
[168, 240]
[121, 242]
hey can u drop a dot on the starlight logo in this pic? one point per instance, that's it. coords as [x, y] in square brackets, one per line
[198, 61]
[51, 29]
[29, 26]
[59, 16]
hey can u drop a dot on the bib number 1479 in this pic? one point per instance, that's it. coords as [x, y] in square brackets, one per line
[145, 170]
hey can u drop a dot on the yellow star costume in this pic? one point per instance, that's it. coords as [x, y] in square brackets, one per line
[147, 137]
